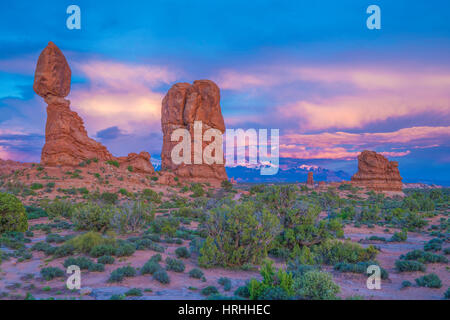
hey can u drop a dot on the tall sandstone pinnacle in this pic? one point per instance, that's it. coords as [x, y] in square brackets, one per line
[66, 139]
[310, 180]
[377, 173]
[181, 107]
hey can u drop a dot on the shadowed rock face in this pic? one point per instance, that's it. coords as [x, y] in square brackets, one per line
[66, 139]
[377, 173]
[182, 106]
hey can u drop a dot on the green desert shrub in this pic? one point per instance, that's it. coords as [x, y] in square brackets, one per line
[100, 250]
[406, 284]
[109, 198]
[135, 292]
[64, 250]
[433, 245]
[35, 212]
[119, 274]
[196, 273]
[150, 267]
[424, 257]
[36, 186]
[272, 279]
[409, 266]
[161, 276]
[197, 190]
[132, 216]
[242, 291]
[151, 196]
[238, 235]
[51, 272]
[225, 282]
[58, 208]
[182, 252]
[399, 236]
[86, 242]
[106, 259]
[302, 226]
[93, 216]
[334, 251]
[227, 185]
[125, 249]
[430, 281]
[359, 267]
[12, 214]
[165, 225]
[447, 294]
[209, 290]
[174, 265]
[113, 163]
[316, 285]
[188, 212]
[84, 264]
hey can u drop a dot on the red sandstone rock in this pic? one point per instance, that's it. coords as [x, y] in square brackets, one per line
[139, 162]
[310, 180]
[377, 173]
[52, 75]
[184, 104]
[66, 140]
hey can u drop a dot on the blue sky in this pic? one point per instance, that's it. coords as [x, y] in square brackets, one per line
[310, 68]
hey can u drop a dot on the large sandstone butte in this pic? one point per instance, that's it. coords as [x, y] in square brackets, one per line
[66, 140]
[181, 107]
[377, 173]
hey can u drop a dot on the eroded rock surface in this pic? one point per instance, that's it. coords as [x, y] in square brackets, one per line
[66, 140]
[183, 105]
[377, 173]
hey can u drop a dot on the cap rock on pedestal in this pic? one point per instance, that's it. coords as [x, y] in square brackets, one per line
[66, 139]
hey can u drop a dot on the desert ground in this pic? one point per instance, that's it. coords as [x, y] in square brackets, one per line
[327, 232]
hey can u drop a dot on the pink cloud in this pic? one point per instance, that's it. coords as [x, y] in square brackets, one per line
[334, 145]
[121, 95]
[359, 95]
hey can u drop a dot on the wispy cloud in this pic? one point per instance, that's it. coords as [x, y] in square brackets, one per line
[122, 95]
[344, 145]
[344, 97]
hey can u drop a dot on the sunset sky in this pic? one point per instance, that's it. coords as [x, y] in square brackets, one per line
[310, 68]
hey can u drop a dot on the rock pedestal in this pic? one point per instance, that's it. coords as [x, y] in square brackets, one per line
[66, 139]
[310, 180]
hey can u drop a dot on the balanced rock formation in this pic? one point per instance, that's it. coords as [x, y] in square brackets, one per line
[66, 140]
[377, 173]
[310, 180]
[183, 105]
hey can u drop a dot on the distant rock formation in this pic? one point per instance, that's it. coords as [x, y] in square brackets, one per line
[66, 140]
[310, 180]
[377, 173]
[182, 105]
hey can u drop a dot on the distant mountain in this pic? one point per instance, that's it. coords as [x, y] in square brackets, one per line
[291, 170]
[156, 162]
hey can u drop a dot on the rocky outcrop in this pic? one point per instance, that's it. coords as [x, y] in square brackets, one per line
[139, 162]
[377, 173]
[310, 180]
[66, 140]
[183, 105]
